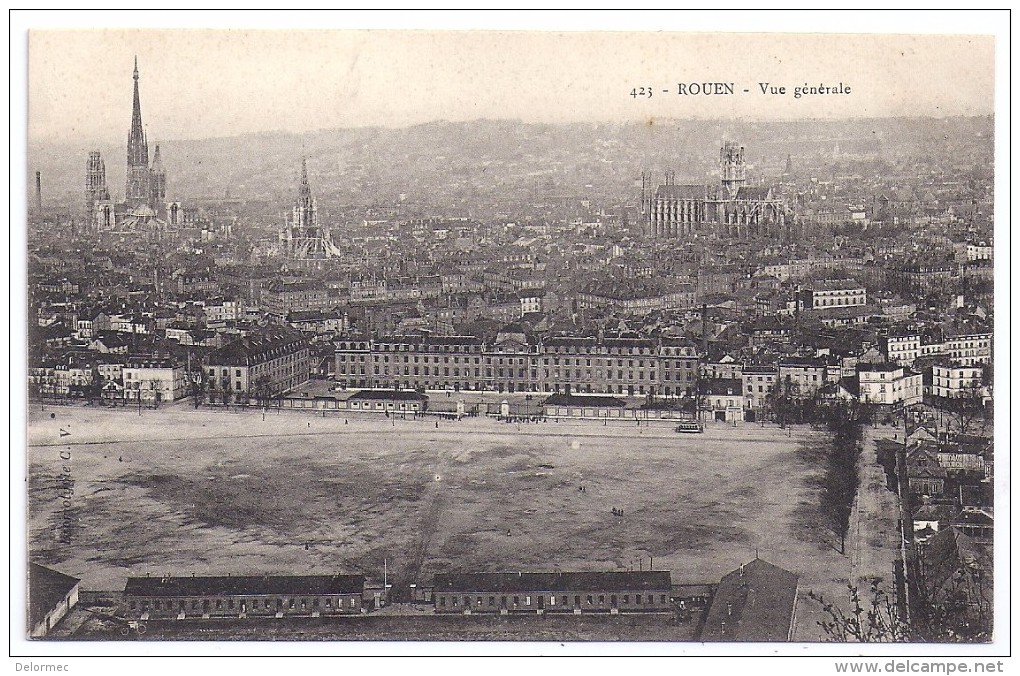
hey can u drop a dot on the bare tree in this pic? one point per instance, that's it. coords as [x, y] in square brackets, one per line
[197, 385]
[876, 620]
[965, 414]
[952, 595]
[156, 388]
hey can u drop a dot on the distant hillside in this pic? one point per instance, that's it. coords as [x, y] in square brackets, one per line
[489, 160]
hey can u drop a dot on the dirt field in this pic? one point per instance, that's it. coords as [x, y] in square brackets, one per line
[211, 492]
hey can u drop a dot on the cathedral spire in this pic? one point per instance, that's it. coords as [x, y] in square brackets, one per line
[304, 190]
[137, 151]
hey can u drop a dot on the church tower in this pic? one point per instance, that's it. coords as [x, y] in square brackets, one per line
[303, 239]
[157, 183]
[733, 169]
[98, 206]
[137, 191]
[305, 218]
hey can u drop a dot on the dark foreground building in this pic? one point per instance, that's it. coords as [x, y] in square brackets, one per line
[243, 596]
[51, 595]
[559, 592]
[756, 602]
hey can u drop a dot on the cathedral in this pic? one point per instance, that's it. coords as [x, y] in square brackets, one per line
[304, 242]
[732, 209]
[144, 208]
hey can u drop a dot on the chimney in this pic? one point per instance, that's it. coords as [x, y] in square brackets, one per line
[38, 192]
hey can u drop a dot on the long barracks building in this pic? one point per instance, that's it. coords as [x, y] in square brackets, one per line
[243, 596]
[629, 366]
[576, 592]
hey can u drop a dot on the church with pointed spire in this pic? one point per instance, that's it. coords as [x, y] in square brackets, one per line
[144, 207]
[137, 190]
[305, 244]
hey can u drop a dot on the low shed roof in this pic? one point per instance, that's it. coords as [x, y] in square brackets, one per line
[240, 585]
[656, 580]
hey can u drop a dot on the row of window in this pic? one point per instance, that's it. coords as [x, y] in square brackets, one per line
[509, 373]
[242, 604]
[477, 349]
[831, 302]
[629, 390]
[550, 601]
[342, 358]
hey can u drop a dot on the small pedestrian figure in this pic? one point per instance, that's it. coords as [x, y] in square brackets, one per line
[437, 424]
[508, 532]
[120, 459]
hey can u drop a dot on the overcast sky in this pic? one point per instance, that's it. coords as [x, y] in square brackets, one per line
[200, 83]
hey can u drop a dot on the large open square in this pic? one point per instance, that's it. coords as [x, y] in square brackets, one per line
[214, 492]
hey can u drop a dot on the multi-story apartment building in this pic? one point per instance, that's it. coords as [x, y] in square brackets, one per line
[923, 277]
[277, 360]
[806, 375]
[630, 366]
[834, 293]
[224, 310]
[284, 297]
[637, 299]
[967, 349]
[980, 251]
[154, 380]
[901, 349]
[758, 382]
[954, 381]
[887, 384]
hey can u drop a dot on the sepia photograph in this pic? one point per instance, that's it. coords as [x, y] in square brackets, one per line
[485, 338]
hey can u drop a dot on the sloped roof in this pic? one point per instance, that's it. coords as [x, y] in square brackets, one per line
[682, 192]
[753, 603]
[46, 588]
[754, 192]
[232, 585]
[656, 580]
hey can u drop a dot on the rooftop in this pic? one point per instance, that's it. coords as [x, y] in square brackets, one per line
[657, 580]
[232, 585]
[753, 603]
[46, 588]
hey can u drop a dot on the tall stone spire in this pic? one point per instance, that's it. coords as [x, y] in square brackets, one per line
[304, 190]
[137, 190]
[157, 183]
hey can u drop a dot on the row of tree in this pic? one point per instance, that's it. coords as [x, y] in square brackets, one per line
[842, 469]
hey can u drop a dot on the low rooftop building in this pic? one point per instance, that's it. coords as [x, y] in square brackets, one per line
[756, 602]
